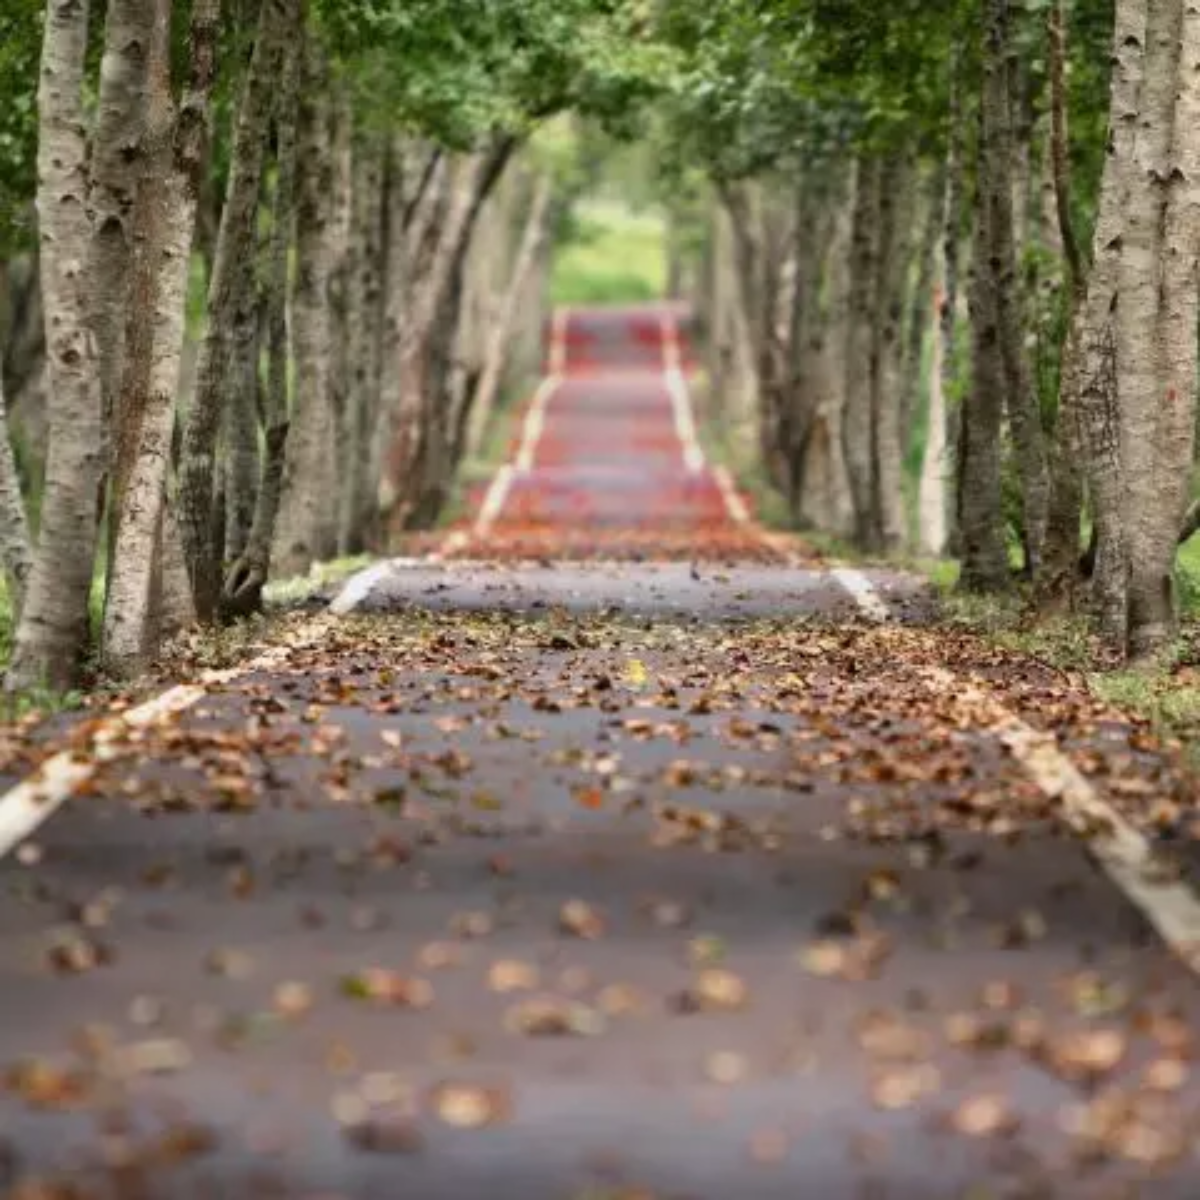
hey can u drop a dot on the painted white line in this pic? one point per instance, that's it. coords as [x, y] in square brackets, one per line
[494, 501]
[693, 452]
[535, 422]
[358, 587]
[863, 591]
[34, 800]
[558, 342]
[677, 390]
[1128, 859]
[456, 541]
[735, 505]
[1170, 906]
[531, 433]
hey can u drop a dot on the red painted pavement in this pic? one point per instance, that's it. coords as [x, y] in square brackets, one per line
[608, 475]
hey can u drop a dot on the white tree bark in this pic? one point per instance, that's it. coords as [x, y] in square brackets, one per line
[144, 574]
[244, 582]
[496, 357]
[307, 497]
[16, 553]
[932, 526]
[116, 166]
[365, 305]
[230, 307]
[826, 502]
[1157, 504]
[53, 629]
[1099, 401]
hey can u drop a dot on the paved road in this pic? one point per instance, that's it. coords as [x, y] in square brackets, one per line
[616, 879]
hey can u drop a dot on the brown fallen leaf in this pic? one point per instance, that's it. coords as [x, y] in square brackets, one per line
[45, 1085]
[726, 1067]
[385, 1133]
[903, 1087]
[621, 999]
[388, 987]
[715, 990]
[292, 999]
[986, 1115]
[1085, 1054]
[157, 1056]
[579, 919]
[470, 1106]
[511, 975]
[550, 1016]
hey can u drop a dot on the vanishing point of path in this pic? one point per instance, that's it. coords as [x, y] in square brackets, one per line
[614, 851]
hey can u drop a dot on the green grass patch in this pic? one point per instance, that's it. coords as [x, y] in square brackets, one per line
[611, 255]
[284, 593]
[1167, 694]
[15, 706]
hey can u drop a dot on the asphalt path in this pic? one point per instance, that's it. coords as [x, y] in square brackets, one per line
[715, 875]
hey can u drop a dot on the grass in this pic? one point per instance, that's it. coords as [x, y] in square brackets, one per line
[286, 593]
[612, 255]
[1167, 694]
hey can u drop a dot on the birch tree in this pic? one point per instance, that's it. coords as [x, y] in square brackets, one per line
[231, 309]
[166, 214]
[53, 628]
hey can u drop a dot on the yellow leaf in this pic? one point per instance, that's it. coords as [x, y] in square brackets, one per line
[636, 673]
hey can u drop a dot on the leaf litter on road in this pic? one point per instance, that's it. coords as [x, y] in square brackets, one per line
[694, 727]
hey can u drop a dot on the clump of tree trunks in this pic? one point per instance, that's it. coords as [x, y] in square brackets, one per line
[1046, 409]
[363, 283]
[258, 299]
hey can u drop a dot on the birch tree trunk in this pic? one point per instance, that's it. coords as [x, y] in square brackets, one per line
[1099, 400]
[230, 310]
[825, 501]
[53, 629]
[16, 552]
[952, 299]
[984, 554]
[239, 459]
[937, 466]
[860, 348]
[417, 196]
[932, 534]
[1066, 496]
[1157, 503]
[365, 316]
[116, 167]
[997, 148]
[143, 601]
[415, 455]
[338, 456]
[306, 482]
[887, 445]
[244, 583]
[496, 357]
[917, 321]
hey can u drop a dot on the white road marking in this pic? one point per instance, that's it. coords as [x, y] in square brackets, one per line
[358, 587]
[729, 493]
[681, 402]
[24, 807]
[531, 433]
[1123, 852]
[535, 423]
[693, 452]
[863, 591]
[558, 342]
